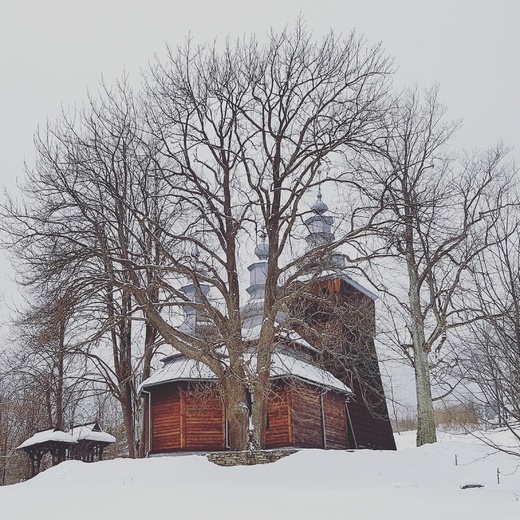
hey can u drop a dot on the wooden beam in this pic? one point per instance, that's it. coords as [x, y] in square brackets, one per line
[182, 417]
[323, 430]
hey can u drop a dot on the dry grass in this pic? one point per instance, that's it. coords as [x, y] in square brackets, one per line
[451, 418]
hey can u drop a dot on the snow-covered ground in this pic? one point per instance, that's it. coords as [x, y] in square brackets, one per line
[412, 483]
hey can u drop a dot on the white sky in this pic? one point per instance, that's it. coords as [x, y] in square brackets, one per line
[52, 51]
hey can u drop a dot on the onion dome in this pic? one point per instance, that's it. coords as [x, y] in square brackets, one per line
[262, 249]
[319, 225]
[319, 206]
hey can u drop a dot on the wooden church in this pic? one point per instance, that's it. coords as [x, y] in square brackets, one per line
[326, 389]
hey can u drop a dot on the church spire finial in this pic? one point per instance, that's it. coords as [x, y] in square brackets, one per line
[195, 253]
[262, 248]
[319, 207]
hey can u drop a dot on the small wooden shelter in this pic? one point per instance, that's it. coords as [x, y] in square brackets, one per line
[52, 441]
[83, 442]
[90, 442]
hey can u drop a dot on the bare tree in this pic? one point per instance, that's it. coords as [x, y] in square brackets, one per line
[21, 414]
[490, 363]
[244, 133]
[439, 213]
[128, 204]
[45, 357]
[71, 226]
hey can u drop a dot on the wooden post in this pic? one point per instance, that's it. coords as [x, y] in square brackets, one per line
[182, 413]
[323, 430]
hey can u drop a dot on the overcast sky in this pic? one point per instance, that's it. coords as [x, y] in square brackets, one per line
[52, 51]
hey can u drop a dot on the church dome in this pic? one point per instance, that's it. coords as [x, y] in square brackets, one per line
[319, 206]
[262, 250]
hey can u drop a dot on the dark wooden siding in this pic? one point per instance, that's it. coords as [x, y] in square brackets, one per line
[204, 421]
[166, 423]
[186, 419]
[336, 433]
[344, 327]
[370, 424]
[306, 417]
[278, 432]
[193, 419]
[319, 420]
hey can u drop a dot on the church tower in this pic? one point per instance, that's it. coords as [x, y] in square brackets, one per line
[253, 310]
[342, 326]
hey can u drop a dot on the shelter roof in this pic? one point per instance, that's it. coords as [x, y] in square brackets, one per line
[91, 432]
[52, 435]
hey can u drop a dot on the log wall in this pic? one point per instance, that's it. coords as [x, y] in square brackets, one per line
[344, 326]
[299, 415]
[186, 419]
[306, 417]
[278, 432]
[166, 423]
[204, 421]
[335, 414]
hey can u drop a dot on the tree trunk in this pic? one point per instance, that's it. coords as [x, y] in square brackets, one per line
[261, 397]
[426, 431]
[235, 397]
[128, 418]
[150, 337]
[59, 383]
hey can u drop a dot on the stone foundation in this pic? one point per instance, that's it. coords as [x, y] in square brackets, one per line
[247, 458]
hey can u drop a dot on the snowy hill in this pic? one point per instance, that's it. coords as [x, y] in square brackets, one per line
[419, 483]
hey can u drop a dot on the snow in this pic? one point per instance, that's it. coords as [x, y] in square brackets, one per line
[253, 333]
[411, 483]
[47, 436]
[179, 368]
[76, 434]
[86, 433]
[282, 365]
